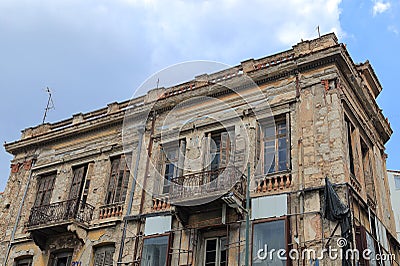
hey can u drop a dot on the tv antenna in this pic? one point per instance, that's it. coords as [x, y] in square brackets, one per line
[49, 106]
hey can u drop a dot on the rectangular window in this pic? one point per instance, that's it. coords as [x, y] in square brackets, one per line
[271, 235]
[219, 150]
[118, 183]
[170, 166]
[172, 160]
[23, 261]
[397, 181]
[216, 251]
[276, 146]
[103, 256]
[60, 258]
[45, 187]
[155, 251]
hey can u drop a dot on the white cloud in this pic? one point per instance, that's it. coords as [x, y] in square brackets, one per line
[393, 28]
[230, 29]
[380, 7]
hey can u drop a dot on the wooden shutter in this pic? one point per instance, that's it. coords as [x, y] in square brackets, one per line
[44, 190]
[206, 152]
[124, 177]
[99, 259]
[104, 256]
[49, 184]
[257, 157]
[224, 149]
[76, 186]
[181, 157]
[112, 181]
[108, 260]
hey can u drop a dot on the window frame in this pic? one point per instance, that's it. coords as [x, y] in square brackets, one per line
[57, 254]
[218, 249]
[286, 227]
[225, 155]
[179, 146]
[23, 259]
[168, 255]
[263, 124]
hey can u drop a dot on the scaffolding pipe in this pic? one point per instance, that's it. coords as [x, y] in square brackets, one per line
[247, 215]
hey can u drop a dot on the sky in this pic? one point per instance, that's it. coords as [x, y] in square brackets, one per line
[94, 52]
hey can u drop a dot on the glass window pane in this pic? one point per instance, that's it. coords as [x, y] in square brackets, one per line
[272, 236]
[269, 131]
[397, 181]
[281, 127]
[155, 251]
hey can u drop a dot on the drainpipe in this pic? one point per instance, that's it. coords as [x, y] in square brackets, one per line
[131, 194]
[247, 215]
[19, 212]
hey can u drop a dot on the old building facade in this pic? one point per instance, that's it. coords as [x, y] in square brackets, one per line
[394, 185]
[211, 171]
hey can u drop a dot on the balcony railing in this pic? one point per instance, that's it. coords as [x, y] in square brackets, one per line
[207, 183]
[111, 210]
[60, 212]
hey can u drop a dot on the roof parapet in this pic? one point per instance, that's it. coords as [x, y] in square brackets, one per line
[314, 45]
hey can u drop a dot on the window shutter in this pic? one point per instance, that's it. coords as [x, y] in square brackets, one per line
[99, 259]
[76, 185]
[181, 157]
[225, 149]
[48, 189]
[108, 260]
[104, 256]
[112, 182]
[159, 165]
[125, 179]
[206, 152]
[39, 194]
[257, 157]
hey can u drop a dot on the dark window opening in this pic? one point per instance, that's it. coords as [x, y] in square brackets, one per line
[60, 258]
[216, 251]
[24, 261]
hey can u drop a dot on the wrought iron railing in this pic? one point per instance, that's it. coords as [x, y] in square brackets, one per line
[198, 185]
[61, 211]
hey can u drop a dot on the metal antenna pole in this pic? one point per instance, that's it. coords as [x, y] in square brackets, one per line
[48, 106]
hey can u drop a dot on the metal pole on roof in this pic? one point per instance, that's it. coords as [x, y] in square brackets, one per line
[247, 215]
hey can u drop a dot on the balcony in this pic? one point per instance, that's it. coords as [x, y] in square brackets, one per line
[57, 218]
[199, 188]
[61, 212]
